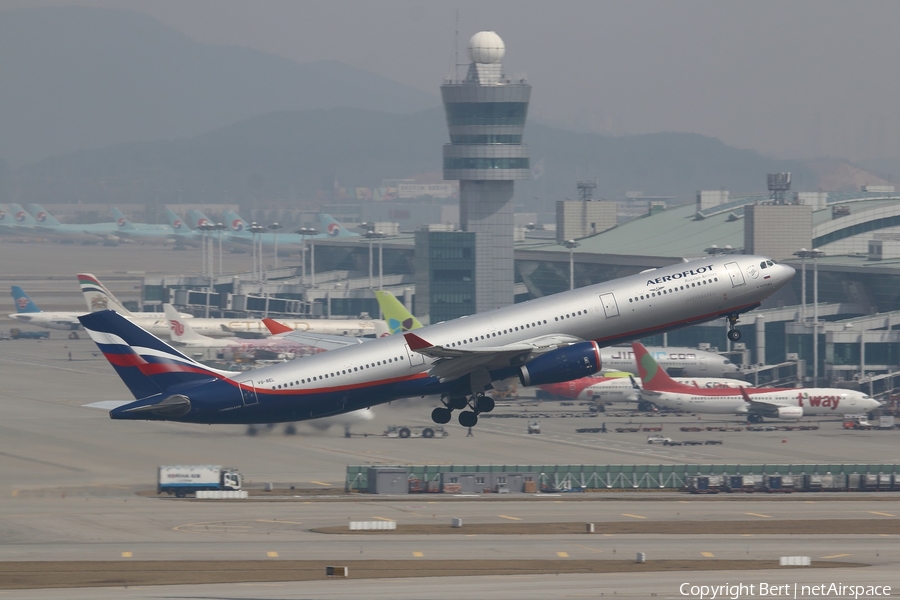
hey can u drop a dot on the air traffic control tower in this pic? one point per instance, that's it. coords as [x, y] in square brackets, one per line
[486, 117]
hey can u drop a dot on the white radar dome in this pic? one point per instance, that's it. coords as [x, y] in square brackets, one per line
[486, 47]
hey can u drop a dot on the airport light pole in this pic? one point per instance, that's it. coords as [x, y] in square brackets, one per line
[256, 230]
[275, 227]
[219, 229]
[369, 229]
[803, 253]
[304, 233]
[207, 228]
[571, 245]
[814, 254]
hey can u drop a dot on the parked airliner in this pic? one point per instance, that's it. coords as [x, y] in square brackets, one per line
[756, 404]
[28, 312]
[606, 390]
[550, 339]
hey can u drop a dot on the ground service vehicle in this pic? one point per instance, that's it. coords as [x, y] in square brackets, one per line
[184, 479]
[534, 427]
[403, 431]
[658, 439]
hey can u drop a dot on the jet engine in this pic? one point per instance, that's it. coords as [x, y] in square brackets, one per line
[563, 364]
[790, 413]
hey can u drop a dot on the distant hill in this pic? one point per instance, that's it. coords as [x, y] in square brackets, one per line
[75, 78]
[284, 156]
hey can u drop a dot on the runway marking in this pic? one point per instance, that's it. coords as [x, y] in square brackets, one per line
[277, 521]
[746, 535]
[382, 518]
[875, 512]
[633, 516]
[418, 554]
[126, 555]
[321, 483]
[707, 554]
[272, 554]
[510, 518]
[759, 515]
[590, 549]
[682, 501]
[563, 554]
[836, 556]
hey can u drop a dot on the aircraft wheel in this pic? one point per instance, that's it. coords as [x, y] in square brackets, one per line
[404, 432]
[441, 415]
[290, 430]
[251, 430]
[468, 419]
[645, 406]
[485, 404]
[180, 493]
[457, 403]
[734, 335]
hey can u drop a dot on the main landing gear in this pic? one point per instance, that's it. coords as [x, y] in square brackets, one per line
[469, 418]
[733, 334]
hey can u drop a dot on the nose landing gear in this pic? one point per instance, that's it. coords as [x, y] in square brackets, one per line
[733, 334]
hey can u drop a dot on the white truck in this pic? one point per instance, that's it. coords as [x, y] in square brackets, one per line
[408, 431]
[181, 480]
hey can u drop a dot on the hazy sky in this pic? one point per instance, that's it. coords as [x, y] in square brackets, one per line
[792, 79]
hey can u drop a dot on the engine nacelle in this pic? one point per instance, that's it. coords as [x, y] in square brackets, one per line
[563, 364]
[790, 413]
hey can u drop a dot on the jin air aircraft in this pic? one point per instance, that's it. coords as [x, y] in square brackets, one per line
[756, 404]
[550, 339]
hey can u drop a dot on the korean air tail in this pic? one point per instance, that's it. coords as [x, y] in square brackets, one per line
[235, 223]
[43, 218]
[179, 226]
[98, 297]
[22, 216]
[5, 216]
[149, 367]
[333, 228]
[122, 221]
[24, 304]
[196, 218]
[396, 316]
[653, 377]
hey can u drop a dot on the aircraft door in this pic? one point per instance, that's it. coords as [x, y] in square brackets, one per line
[702, 361]
[609, 305]
[248, 393]
[415, 359]
[734, 271]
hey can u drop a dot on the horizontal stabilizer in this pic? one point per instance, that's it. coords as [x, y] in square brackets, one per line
[107, 404]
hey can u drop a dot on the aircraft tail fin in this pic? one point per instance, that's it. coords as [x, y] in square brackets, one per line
[122, 221]
[234, 222]
[328, 225]
[147, 365]
[196, 218]
[178, 226]
[276, 327]
[24, 304]
[22, 217]
[397, 317]
[179, 329]
[653, 377]
[98, 297]
[5, 216]
[43, 217]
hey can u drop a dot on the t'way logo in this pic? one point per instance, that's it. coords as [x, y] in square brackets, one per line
[177, 328]
[831, 402]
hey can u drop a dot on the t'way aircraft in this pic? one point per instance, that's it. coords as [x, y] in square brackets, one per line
[606, 390]
[550, 339]
[756, 404]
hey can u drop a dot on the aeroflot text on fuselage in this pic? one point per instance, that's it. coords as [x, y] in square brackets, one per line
[681, 275]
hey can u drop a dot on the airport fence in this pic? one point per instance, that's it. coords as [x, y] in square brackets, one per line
[580, 478]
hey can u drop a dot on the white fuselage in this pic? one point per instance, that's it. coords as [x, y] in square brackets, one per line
[686, 362]
[67, 321]
[608, 313]
[813, 401]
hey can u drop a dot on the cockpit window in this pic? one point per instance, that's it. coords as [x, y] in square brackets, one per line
[771, 263]
[727, 362]
[763, 265]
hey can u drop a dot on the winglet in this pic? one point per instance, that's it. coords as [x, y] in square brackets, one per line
[745, 394]
[275, 327]
[415, 342]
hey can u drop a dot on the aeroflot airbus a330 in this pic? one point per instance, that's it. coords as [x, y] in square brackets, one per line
[550, 339]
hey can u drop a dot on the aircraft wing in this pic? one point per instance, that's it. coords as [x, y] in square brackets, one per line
[761, 406]
[322, 341]
[453, 363]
